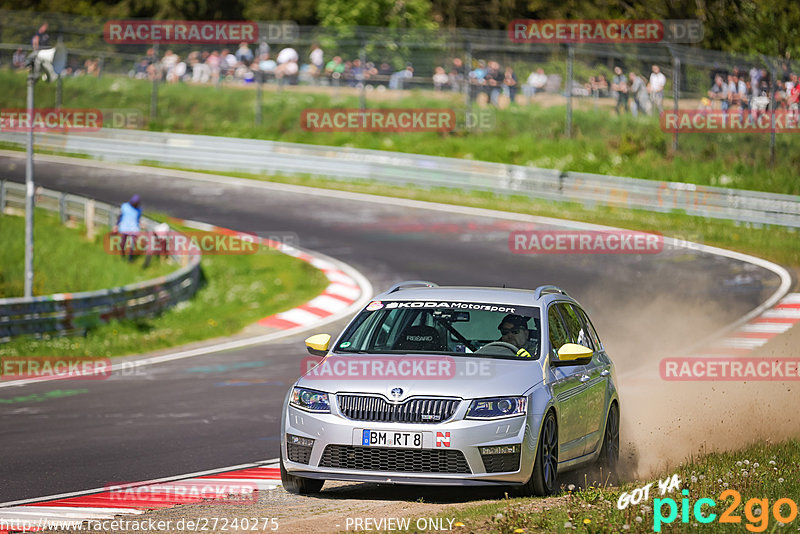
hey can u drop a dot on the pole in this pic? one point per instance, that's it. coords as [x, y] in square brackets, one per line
[570, 61]
[772, 86]
[467, 69]
[676, 90]
[154, 93]
[362, 94]
[259, 95]
[59, 93]
[29, 189]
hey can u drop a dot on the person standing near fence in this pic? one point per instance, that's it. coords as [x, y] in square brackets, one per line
[619, 84]
[40, 39]
[656, 88]
[638, 93]
[130, 215]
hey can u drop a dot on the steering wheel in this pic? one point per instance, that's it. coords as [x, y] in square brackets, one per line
[509, 346]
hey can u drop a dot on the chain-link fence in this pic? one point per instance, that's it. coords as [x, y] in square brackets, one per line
[481, 66]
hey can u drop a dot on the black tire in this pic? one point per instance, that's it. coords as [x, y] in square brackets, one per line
[299, 485]
[545, 467]
[609, 453]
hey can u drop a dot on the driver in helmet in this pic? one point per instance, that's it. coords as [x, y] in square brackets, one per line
[514, 330]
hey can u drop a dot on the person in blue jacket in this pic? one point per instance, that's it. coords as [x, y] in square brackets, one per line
[128, 224]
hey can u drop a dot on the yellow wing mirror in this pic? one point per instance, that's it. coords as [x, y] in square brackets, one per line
[317, 345]
[574, 354]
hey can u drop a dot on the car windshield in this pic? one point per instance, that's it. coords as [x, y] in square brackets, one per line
[453, 328]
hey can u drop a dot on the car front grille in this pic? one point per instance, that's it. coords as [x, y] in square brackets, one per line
[378, 409]
[394, 460]
[501, 463]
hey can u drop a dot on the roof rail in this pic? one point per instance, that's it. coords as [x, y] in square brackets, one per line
[547, 290]
[410, 283]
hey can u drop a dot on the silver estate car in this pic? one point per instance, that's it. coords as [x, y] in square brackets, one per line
[454, 386]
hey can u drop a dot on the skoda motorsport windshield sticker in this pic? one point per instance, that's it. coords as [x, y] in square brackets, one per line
[477, 306]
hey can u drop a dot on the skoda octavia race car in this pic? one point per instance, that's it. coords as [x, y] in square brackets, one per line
[454, 386]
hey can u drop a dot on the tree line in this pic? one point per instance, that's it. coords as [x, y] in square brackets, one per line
[741, 26]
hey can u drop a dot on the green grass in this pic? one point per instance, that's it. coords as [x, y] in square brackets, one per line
[775, 243]
[761, 471]
[237, 291]
[56, 270]
[602, 143]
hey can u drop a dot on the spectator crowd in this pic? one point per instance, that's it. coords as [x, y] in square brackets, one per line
[740, 89]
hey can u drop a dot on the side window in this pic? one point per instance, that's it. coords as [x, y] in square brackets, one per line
[575, 327]
[558, 333]
[589, 328]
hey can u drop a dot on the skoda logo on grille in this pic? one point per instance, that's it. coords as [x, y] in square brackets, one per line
[397, 393]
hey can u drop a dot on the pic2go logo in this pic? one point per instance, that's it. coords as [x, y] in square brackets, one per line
[756, 511]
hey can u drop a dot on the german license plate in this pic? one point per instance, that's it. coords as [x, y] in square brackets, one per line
[380, 438]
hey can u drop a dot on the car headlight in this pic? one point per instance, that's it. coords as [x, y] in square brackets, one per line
[310, 400]
[497, 408]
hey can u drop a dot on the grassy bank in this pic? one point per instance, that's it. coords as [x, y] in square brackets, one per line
[238, 290]
[764, 472]
[532, 135]
[55, 267]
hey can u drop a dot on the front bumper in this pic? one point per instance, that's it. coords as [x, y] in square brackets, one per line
[343, 436]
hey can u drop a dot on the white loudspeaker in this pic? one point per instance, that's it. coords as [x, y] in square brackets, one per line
[53, 60]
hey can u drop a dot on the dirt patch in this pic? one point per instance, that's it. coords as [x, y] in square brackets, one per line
[339, 507]
[666, 422]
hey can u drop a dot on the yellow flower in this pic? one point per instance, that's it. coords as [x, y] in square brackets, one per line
[587, 521]
[517, 531]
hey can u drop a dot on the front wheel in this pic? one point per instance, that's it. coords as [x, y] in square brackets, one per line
[545, 466]
[299, 485]
[609, 453]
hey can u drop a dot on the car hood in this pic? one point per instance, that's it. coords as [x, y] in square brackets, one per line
[416, 375]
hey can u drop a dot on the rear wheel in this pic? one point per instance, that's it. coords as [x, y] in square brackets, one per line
[609, 453]
[299, 485]
[545, 467]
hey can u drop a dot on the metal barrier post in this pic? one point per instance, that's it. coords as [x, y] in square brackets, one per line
[62, 207]
[2, 197]
[88, 218]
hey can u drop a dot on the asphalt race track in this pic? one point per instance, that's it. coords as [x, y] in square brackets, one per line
[223, 409]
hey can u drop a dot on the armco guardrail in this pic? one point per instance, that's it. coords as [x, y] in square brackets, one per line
[249, 155]
[70, 313]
